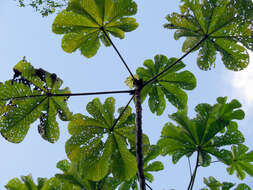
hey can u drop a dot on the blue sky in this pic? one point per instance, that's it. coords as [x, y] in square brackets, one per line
[25, 33]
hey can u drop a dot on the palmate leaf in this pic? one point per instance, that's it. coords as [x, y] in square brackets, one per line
[212, 128]
[83, 22]
[171, 85]
[240, 161]
[100, 144]
[27, 98]
[213, 184]
[226, 26]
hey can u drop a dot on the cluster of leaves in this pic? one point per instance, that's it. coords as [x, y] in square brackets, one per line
[101, 148]
[85, 22]
[27, 183]
[44, 7]
[213, 184]
[28, 97]
[225, 25]
[170, 85]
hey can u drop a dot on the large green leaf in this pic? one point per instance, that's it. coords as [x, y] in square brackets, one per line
[213, 184]
[85, 22]
[226, 26]
[170, 85]
[101, 144]
[28, 97]
[212, 128]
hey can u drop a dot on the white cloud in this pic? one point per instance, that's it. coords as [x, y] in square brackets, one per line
[242, 84]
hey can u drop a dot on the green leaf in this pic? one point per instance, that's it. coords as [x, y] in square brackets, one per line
[26, 183]
[55, 183]
[170, 85]
[28, 97]
[108, 141]
[240, 162]
[225, 26]
[211, 129]
[207, 54]
[63, 165]
[99, 168]
[154, 166]
[214, 184]
[124, 165]
[84, 23]
[242, 186]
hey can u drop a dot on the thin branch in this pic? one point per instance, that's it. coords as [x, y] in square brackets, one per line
[194, 173]
[116, 121]
[115, 48]
[170, 66]
[72, 94]
[148, 186]
[189, 163]
[215, 161]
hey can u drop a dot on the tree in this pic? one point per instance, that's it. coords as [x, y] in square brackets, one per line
[41, 95]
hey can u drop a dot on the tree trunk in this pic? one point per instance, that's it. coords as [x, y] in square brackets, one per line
[139, 155]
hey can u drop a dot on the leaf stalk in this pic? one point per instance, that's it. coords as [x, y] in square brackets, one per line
[72, 94]
[115, 48]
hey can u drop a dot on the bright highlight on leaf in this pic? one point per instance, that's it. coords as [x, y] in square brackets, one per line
[101, 143]
[226, 24]
[170, 85]
[212, 128]
[85, 22]
[26, 98]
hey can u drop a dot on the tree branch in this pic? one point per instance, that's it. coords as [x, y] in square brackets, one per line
[170, 66]
[72, 94]
[116, 121]
[115, 48]
[190, 186]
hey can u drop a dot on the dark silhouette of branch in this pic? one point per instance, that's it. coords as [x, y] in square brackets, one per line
[148, 186]
[72, 94]
[115, 48]
[139, 155]
[170, 66]
[194, 173]
[116, 121]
